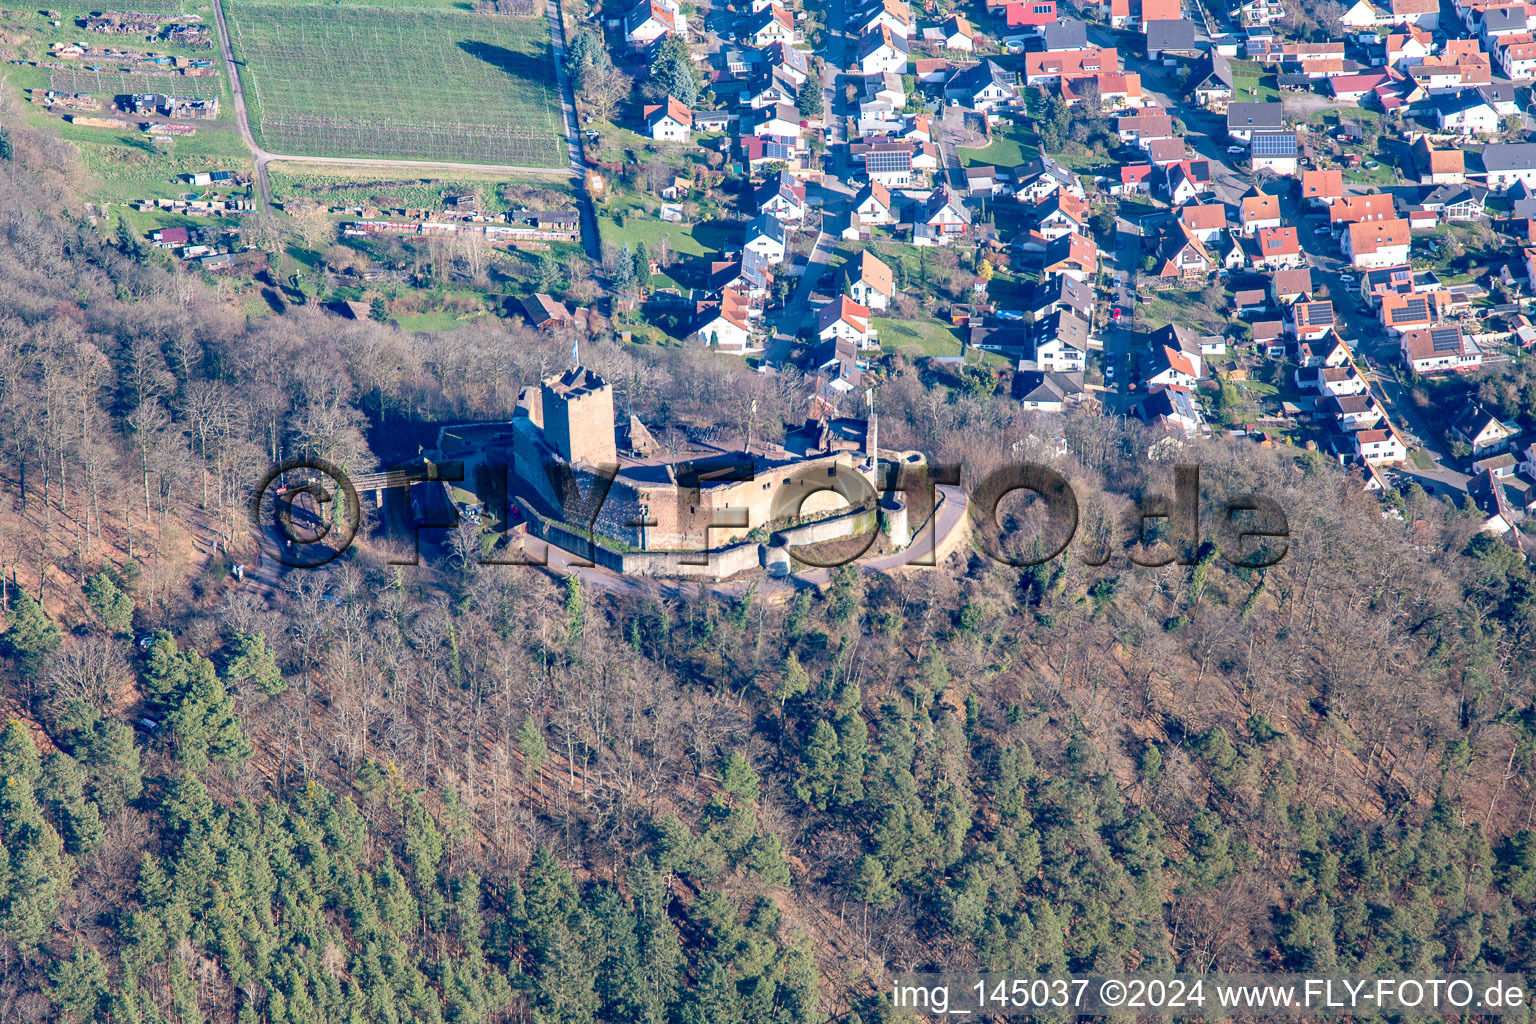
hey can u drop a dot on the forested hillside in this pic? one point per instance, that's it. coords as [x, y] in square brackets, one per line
[458, 792]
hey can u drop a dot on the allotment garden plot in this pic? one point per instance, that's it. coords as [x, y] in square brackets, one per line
[399, 83]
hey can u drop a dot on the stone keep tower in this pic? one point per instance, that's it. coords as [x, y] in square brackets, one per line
[578, 417]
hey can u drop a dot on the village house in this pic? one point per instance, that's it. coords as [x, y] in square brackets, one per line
[882, 50]
[724, 325]
[1328, 351]
[1276, 152]
[1404, 49]
[1515, 55]
[895, 15]
[1076, 256]
[845, 319]
[1057, 342]
[887, 162]
[1168, 365]
[1260, 210]
[1481, 431]
[1361, 209]
[1400, 312]
[544, 312]
[1066, 34]
[1377, 243]
[1182, 257]
[1060, 293]
[1041, 176]
[650, 20]
[984, 86]
[1053, 67]
[671, 121]
[1509, 162]
[1322, 188]
[1207, 222]
[1465, 112]
[1243, 119]
[1135, 179]
[873, 204]
[869, 281]
[945, 216]
[1455, 203]
[1114, 91]
[1352, 412]
[782, 196]
[1438, 166]
[1287, 286]
[1171, 408]
[766, 237]
[1144, 126]
[1187, 179]
[1210, 82]
[1277, 249]
[1310, 320]
[1380, 446]
[1438, 349]
[1035, 14]
[1047, 391]
[1377, 283]
[958, 34]
[1368, 14]
[1170, 38]
[1331, 380]
[770, 24]
[1500, 515]
[1165, 153]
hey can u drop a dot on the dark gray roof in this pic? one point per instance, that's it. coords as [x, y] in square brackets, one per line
[1212, 66]
[1066, 34]
[1256, 115]
[1504, 19]
[1170, 35]
[1509, 156]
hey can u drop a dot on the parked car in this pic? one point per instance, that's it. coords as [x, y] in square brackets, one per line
[1235, 150]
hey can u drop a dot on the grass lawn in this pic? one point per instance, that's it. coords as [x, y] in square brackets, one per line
[917, 337]
[1379, 175]
[1251, 84]
[1009, 147]
[703, 239]
[413, 81]
[1421, 459]
[440, 321]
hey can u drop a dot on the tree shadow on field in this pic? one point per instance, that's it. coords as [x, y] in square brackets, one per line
[518, 65]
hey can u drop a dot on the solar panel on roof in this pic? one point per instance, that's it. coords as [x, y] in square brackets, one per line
[1445, 339]
[1274, 145]
[1320, 314]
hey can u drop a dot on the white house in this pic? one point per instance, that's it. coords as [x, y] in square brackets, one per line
[765, 236]
[873, 204]
[844, 319]
[1465, 113]
[1380, 446]
[1374, 244]
[1438, 349]
[671, 121]
[882, 50]
[650, 21]
[869, 281]
[725, 325]
[958, 34]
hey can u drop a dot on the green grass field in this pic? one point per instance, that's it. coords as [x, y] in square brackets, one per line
[409, 82]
